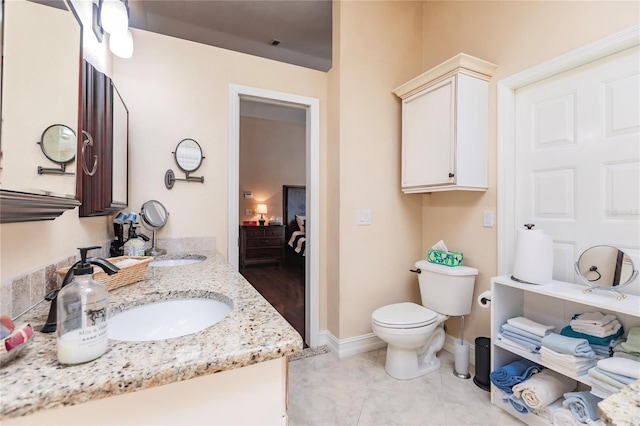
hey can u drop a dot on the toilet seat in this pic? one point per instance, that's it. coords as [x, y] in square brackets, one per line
[403, 315]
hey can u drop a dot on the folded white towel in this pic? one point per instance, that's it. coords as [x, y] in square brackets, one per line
[593, 318]
[597, 331]
[566, 359]
[571, 370]
[531, 326]
[623, 366]
[547, 411]
[514, 344]
[543, 388]
[564, 417]
[601, 389]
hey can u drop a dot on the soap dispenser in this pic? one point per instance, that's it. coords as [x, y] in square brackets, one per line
[134, 245]
[82, 312]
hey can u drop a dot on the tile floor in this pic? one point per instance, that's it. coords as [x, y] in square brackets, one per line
[324, 390]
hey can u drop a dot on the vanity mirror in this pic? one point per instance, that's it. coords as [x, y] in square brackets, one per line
[154, 216]
[58, 144]
[188, 157]
[605, 268]
[42, 50]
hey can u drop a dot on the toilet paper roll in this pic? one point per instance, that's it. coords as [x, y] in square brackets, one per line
[533, 258]
[484, 299]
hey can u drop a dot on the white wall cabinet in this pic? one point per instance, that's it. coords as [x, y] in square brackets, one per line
[549, 304]
[445, 127]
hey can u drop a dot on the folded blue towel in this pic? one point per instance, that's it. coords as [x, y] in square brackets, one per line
[568, 345]
[583, 405]
[619, 377]
[514, 373]
[521, 338]
[568, 331]
[515, 330]
[517, 403]
[532, 347]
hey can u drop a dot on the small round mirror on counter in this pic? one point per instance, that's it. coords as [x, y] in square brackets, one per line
[188, 155]
[59, 143]
[154, 216]
[605, 268]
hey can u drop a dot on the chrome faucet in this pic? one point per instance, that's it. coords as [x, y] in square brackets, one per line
[84, 264]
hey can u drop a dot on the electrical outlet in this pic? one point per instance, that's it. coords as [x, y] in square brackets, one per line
[364, 217]
[248, 212]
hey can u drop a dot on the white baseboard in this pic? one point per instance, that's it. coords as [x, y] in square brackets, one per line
[351, 346]
[369, 342]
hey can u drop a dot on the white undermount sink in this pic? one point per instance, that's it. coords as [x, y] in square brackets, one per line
[166, 319]
[177, 261]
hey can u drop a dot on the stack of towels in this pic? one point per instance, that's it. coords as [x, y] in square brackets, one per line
[524, 334]
[631, 348]
[542, 389]
[612, 374]
[600, 330]
[568, 354]
[505, 377]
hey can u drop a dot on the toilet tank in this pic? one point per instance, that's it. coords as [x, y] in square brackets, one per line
[445, 289]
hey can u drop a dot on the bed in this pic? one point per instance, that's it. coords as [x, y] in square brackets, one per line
[294, 209]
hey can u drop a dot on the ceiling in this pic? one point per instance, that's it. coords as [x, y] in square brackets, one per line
[303, 27]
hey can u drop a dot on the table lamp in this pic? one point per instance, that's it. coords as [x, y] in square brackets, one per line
[262, 209]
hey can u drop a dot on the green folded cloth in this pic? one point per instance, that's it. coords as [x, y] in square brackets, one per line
[632, 345]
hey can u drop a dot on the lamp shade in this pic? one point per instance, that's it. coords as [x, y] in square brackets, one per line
[121, 44]
[114, 18]
[261, 208]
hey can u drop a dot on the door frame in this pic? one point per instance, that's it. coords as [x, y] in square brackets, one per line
[507, 87]
[312, 161]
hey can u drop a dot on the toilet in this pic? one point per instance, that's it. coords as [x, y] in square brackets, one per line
[415, 333]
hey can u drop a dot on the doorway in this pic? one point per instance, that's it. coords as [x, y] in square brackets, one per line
[310, 106]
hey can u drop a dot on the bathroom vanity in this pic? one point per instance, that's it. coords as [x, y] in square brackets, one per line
[209, 377]
[550, 304]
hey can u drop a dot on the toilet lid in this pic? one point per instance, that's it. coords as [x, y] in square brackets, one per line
[404, 315]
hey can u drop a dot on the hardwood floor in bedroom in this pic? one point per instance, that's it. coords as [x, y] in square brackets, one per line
[283, 287]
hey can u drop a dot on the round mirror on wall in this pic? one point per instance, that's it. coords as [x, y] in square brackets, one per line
[188, 155]
[606, 268]
[59, 143]
[154, 216]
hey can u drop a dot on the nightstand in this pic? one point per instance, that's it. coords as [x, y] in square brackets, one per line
[261, 244]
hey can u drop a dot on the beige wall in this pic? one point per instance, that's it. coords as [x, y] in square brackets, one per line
[378, 47]
[515, 36]
[178, 89]
[272, 154]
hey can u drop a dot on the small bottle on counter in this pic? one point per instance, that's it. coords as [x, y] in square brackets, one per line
[134, 245]
[82, 312]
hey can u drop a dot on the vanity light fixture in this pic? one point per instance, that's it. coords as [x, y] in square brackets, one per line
[112, 16]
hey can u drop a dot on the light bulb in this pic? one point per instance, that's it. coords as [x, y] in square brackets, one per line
[121, 44]
[113, 17]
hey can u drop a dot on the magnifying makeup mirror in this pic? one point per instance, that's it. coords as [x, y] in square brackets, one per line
[605, 268]
[154, 216]
[58, 144]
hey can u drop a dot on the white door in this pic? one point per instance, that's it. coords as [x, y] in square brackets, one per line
[577, 158]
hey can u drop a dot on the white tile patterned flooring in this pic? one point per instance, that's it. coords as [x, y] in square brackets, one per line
[325, 390]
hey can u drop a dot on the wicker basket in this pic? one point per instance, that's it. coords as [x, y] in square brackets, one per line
[126, 275]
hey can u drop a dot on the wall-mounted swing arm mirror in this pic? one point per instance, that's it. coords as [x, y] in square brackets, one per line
[188, 156]
[154, 216]
[605, 268]
[58, 144]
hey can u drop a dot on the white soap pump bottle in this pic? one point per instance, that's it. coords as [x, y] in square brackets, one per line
[82, 312]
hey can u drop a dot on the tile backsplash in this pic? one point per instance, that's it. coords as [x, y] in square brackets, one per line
[21, 293]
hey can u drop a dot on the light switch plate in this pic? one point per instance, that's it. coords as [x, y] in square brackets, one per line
[364, 217]
[487, 219]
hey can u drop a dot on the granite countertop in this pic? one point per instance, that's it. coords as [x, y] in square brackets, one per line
[623, 407]
[253, 332]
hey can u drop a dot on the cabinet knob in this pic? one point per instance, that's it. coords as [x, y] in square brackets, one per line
[451, 175]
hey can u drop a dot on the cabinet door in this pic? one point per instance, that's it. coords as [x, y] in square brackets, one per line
[428, 139]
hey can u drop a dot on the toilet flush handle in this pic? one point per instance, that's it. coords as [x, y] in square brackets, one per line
[417, 270]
